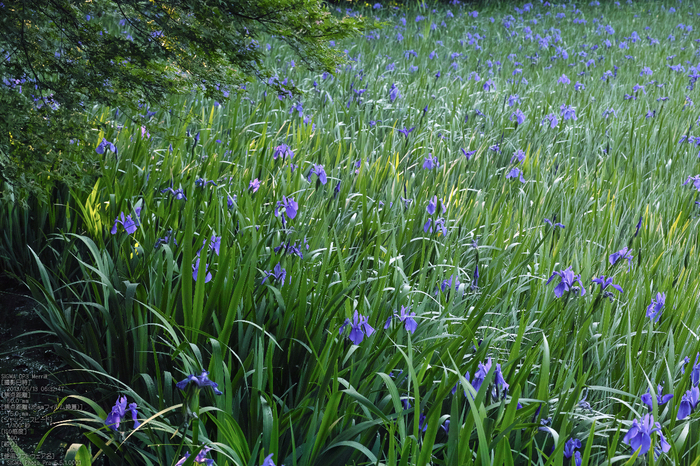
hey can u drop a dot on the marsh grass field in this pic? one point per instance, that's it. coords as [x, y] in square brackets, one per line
[396, 265]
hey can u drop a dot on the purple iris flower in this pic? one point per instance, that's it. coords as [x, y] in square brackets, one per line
[688, 403]
[432, 205]
[564, 80]
[555, 225]
[178, 193]
[201, 182]
[568, 112]
[278, 274]
[657, 304]
[214, 244]
[567, 282]
[439, 225]
[231, 200]
[118, 413]
[519, 156]
[284, 151]
[406, 131]
[514, 174]
[639, 435]
[406, 318]
[468, 154]
[489, 85]
[319, 171]
[518, 116]
[199, 459]
[166, 239]
[254, 185]
[621, 254]
[199, 382]
[498, 379]
[106, 145]
[552, 119]
[359, 327]
[513, 99]
[608, 112]
[661, 399]
[696, 181]
[195, 271]
[129, 224]
[431, 161]
[570, 448]
[290, 208]
[606, 282]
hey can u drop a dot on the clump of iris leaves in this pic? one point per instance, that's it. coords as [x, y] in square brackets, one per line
[475, 244]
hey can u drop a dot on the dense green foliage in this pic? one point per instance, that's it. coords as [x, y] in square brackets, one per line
[442, 161]
[69, 55]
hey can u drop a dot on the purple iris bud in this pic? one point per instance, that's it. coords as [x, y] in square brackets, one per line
[196, 138]
[654, 309]
[567, 282]
[621, 254]
[454, 389]
[431, 161]
[336, 190]
[519, 156]
[606, 282]
[468, 154]
[284, 151]
[394, 93]
[422, 425]
[254, 185]
[446, 426]
[661, 399]
[230, 200]
[359, 327]
[199, 382]
[688, 403]
[195, 271]
[639, 435]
